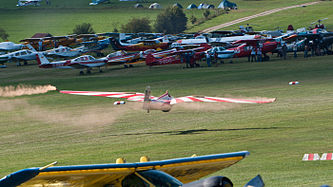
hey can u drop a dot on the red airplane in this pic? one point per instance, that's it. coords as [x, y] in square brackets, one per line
[179, 56]
[244, 50]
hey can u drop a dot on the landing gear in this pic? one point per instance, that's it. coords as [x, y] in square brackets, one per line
[25, 63]
[81, 72]
[88, 71]
[100, 69]
[125, 66]
[130, 65]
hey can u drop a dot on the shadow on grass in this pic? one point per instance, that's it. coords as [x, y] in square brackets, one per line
[195, 131]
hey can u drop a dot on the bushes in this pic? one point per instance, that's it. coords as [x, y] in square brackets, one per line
[136, 25]
[84, 28]
[3, 34]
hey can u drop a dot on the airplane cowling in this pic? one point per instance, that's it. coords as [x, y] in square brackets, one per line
[215, 181]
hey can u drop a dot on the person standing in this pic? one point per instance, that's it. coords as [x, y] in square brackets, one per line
[40, 45]
[295, 49]
[208, 59]
[306, 50]
[259, 54]
[253, 55]
[284, 51]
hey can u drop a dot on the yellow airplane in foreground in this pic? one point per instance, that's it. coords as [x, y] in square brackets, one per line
[166, 173]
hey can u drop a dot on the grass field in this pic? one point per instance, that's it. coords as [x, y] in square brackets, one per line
[61, 16]
[38, 129]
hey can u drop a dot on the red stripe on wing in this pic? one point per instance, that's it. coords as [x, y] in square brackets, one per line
[194, 99]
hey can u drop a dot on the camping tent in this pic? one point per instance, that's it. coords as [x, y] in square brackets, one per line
[201, 5]
[205, 6]
[138, 5]
[155, 6]
[177, 5]
[192, 6]
[225, 4]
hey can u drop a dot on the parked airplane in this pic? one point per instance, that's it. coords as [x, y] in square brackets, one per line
[122, 57]
[96, 2]
[245, 47]
[175, 172]
[10, 46]
[83, 62]
[142, 46]
[19, 56]
[178, 57]
[64, 52]
[165, 101]
[28, 3]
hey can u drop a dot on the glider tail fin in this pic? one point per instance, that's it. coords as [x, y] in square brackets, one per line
[146, 101]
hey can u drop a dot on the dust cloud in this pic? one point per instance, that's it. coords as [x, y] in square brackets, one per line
[19, 90]
[86, 119]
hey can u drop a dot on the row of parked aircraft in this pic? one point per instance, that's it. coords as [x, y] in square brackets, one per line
[156, 48]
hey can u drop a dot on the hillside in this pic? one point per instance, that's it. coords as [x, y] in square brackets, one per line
[61, 16]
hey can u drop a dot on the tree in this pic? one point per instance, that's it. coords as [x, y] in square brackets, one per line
[193, 19]
[171, 21]
[206, 14]
[84, 28]
[3, 34]
[136, 25]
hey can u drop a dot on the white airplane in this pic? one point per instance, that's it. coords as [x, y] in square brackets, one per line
[96, 2]
[63, 51]
[10, 46]
[203, 39]
[82, 62]
[165, 101]
[19, 56]
[28, 3]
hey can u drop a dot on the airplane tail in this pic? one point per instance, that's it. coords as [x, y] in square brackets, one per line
[150, 59]
[165, 39]
[115, 44]
[41, 59]
[146, 100]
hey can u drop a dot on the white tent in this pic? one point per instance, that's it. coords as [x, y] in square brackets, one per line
[155, 6]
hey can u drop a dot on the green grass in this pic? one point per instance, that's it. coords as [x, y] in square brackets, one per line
[283, 19]
[36, 130]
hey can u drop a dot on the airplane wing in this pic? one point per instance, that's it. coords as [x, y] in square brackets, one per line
[186, 170]
[252, 41]
[220, 99]
[130, 96]
[82, 65]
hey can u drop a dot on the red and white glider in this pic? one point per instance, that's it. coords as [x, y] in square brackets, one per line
[165, 101]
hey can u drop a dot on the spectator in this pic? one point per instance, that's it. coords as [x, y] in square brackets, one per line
[253, 55]
[306, 50]
[208, 59]
[40, 45]
[284, 51]
[259, 54]
[295, 49]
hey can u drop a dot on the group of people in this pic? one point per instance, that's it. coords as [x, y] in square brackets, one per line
[256, 54]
